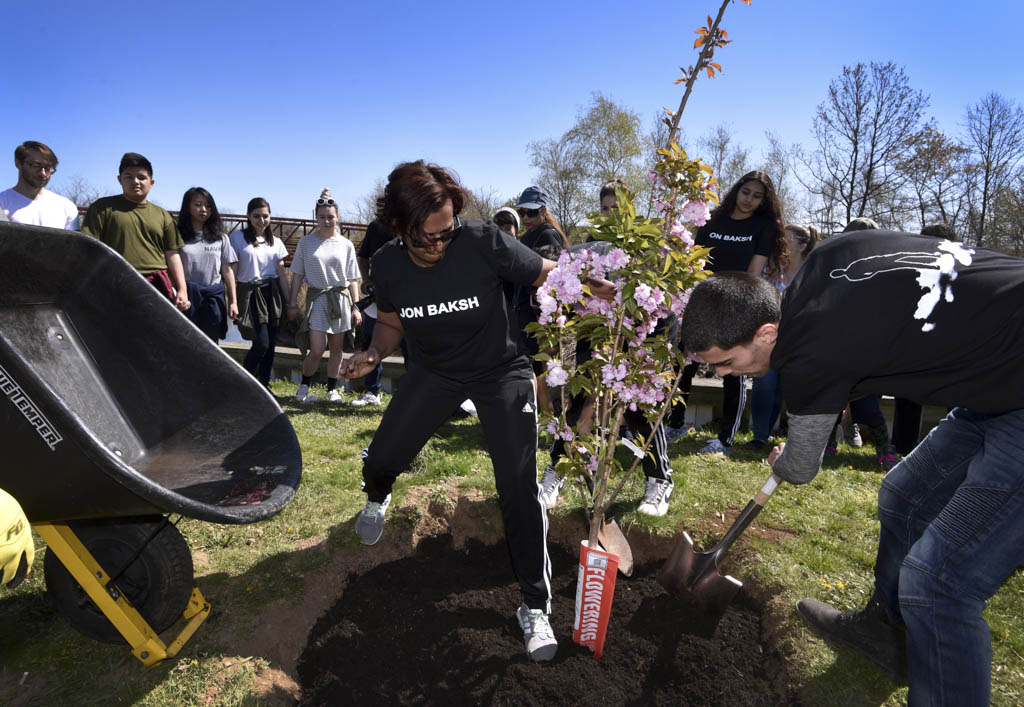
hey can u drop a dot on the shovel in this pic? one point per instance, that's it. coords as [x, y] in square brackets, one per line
[695, 575]
[611, 538]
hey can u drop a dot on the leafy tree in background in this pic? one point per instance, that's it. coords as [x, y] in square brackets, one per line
[995, 137]
[935, 171]
[561, 176]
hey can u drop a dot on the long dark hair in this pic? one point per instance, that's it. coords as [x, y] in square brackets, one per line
[413, 192]
[550, 220]
[213, 231]
[249, 232]
[769, 209]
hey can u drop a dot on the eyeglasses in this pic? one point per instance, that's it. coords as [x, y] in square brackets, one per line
[532, 213]
[49, 169]
[427, 239]
[326, 202]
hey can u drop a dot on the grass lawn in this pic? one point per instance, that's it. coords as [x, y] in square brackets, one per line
[817, 540]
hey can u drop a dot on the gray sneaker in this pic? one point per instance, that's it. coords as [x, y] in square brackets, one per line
[716, 447]
[550, 486]
[370, 523]
[367, 398]
[537, 634]
[674, 433]
[656, 495]
[851, 431]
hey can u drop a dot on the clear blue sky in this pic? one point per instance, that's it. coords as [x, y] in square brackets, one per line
[278, 99]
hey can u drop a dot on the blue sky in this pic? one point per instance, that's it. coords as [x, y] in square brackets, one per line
[280, 99]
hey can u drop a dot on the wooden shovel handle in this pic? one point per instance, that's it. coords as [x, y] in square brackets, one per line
[747, 515]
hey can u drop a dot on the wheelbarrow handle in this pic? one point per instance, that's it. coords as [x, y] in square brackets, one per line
[746, 516]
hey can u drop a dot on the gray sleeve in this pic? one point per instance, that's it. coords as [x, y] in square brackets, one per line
[800, 461]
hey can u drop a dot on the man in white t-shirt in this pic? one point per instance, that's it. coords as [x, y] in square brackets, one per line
[29, 201]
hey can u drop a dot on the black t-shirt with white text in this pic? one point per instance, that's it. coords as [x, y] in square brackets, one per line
[734, 242]
[455, 316]
[880, 312]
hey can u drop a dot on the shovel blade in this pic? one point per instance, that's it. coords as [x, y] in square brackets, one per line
[694, 576]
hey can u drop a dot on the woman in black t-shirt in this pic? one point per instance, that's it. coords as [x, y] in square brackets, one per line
[439, 284]
[745, 233]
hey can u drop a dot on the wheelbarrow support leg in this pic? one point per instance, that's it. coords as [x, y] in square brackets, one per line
[145, 643]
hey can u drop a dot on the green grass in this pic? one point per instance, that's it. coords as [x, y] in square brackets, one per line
[817, 540]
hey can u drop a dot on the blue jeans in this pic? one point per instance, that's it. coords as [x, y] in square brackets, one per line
[952, 516]
[765, 404]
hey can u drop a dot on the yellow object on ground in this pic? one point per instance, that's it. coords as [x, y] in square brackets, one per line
[16, 548]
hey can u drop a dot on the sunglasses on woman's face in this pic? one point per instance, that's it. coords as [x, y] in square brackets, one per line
[427, 239]
[532, 213]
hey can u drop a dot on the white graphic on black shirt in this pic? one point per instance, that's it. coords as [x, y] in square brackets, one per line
[432, 310]
[936, 272]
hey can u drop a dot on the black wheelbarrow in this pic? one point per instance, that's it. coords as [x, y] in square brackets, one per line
[117, 412]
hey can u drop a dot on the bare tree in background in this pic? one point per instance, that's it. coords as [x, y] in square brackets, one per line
[366, 206]
[995, 137]
[1006, 228]
[863, 132]
[482, 203]
[561, 176]
[729, 159]
[81, 192]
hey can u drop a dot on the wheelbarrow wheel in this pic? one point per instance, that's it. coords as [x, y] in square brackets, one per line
[157, 583]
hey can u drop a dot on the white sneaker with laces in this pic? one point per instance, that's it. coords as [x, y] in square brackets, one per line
[367, 398]
[370, 523]
[334, 396]
[550, 486]
[656, 495]
[302, 393]
[715, 446]
[537, 634]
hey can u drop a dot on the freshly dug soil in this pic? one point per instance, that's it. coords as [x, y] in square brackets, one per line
[439, 628]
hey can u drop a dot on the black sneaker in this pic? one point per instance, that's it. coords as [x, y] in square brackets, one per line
[868, 631]
[755, 445]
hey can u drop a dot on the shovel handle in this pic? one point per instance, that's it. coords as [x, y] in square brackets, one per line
[747, 515]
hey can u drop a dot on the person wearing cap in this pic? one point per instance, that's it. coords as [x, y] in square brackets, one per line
[507, 220]
[438, 284]
[545, 237]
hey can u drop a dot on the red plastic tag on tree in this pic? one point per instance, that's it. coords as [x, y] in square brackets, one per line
[595, 589]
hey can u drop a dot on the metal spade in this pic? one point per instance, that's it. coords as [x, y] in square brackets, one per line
[695, 575]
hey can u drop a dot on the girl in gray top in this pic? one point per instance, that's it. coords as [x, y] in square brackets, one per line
[207, 257]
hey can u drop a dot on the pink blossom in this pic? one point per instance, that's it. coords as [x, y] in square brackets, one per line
[556, 374]
[616, 259]
[696, 212]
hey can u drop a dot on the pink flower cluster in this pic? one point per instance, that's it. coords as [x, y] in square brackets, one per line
[696, 212]
[564, 284]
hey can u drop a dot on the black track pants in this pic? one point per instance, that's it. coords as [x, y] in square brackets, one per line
[508, 415]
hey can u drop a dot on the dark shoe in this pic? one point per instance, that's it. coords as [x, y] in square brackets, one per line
[888, 457]
[869, 631]
[755, 445]
[831, 449]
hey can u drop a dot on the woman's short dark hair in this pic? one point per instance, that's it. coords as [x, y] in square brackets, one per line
[213, 231]
[134, 159]
[413, 192]
[726, 310]
[609, 189]
[249, 232]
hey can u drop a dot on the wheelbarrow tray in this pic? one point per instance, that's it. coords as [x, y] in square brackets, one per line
[113, 404]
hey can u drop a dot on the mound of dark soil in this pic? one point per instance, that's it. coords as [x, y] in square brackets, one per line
[439, 628]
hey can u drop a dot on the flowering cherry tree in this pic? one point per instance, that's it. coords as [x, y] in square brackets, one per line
[631, 355]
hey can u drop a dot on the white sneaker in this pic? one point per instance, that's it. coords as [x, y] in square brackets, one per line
[370, 523]
[550, 486]
[537, 634]
[365, 399]
[302, 393]
[655, 500]
[333, 396]
[715, 446]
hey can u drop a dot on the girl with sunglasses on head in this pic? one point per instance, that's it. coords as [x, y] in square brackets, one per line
[262, 297]
[439, 284]
[745, 233]
[326, 261]
[207, 257]
[543, 236]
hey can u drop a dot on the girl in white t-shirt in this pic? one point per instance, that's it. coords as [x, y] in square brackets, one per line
[326, 261]
[262, 287]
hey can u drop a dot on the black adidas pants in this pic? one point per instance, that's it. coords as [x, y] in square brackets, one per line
[508, 415]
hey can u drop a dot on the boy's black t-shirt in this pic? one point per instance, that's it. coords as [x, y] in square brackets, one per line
[455, 316]
[880, 312]
[546, 242]
[375, 237]
[734, 242]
